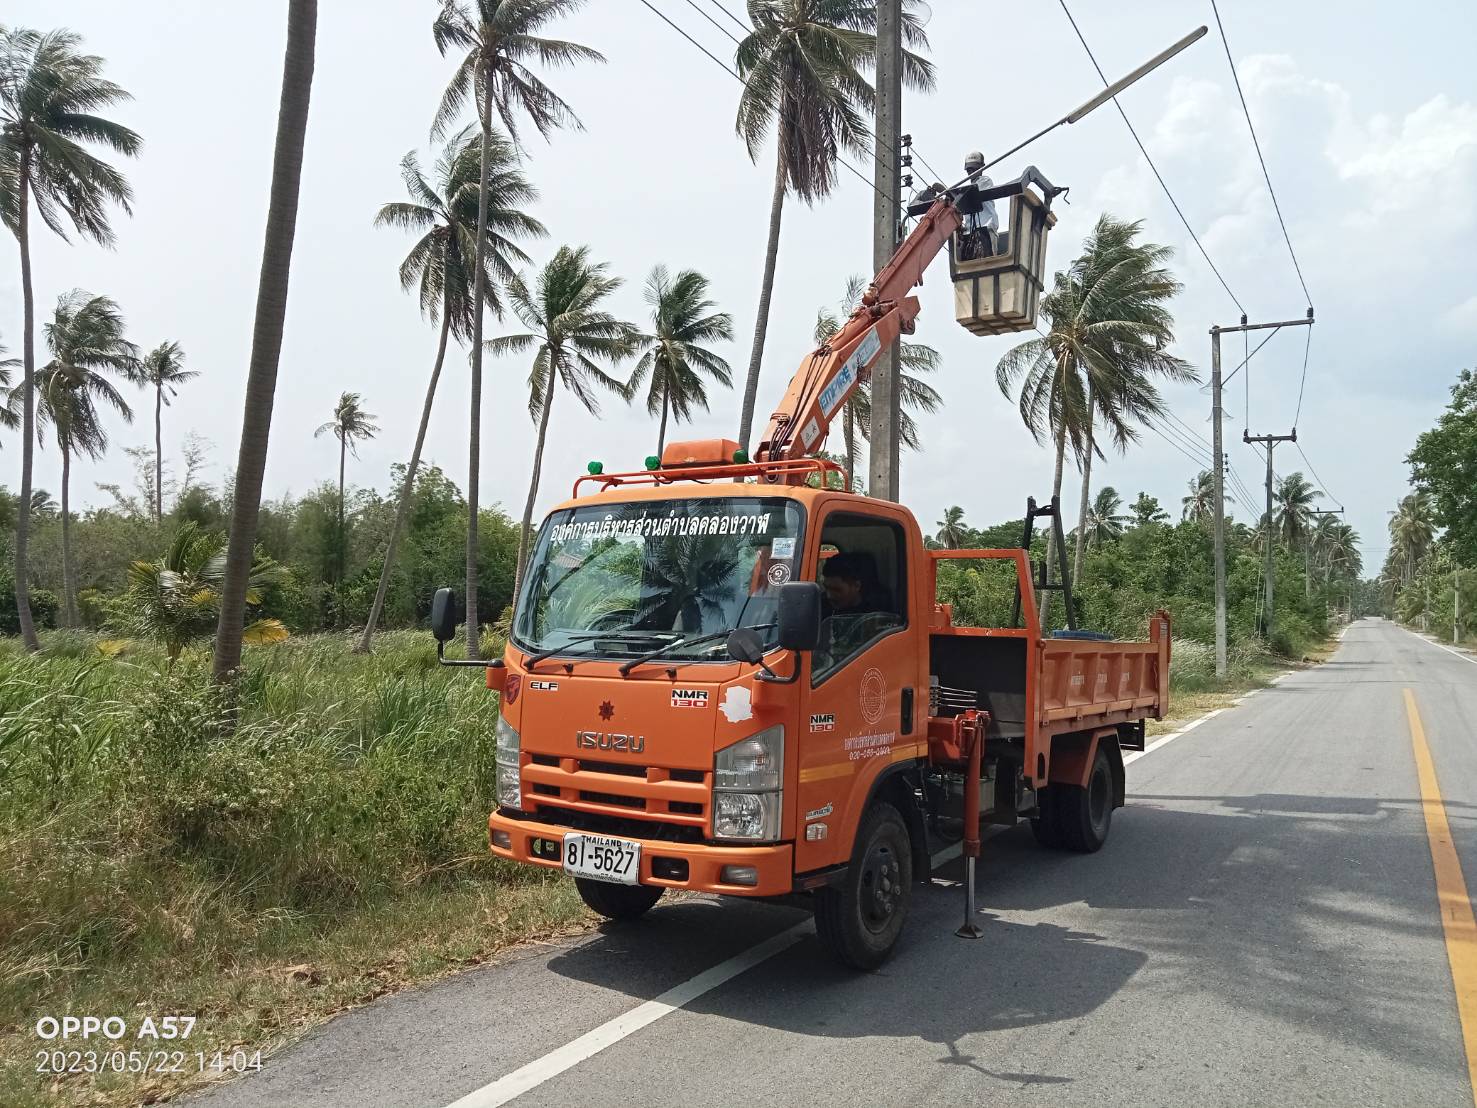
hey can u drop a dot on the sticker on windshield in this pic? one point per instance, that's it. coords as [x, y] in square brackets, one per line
[779, 573]
[782, 548]
[689, 698]
[656, 525]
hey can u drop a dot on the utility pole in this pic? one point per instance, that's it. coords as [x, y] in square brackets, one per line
[1268, 535]
[882, 477]
[1456, 611]
[1219, 467]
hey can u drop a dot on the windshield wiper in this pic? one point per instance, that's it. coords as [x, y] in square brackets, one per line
[619, 636]
[691, 640]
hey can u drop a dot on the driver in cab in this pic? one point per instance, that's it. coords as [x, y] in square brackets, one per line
[857, 607]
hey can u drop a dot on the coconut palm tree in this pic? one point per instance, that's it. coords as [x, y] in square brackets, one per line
[1109, 330]
[914, 393]
[163, 370]
[9, 417]
[439, 266]
[1293, 509]
[266, 341]
[1105, 519]
[50, 93]
[952, 532]
[673, 360]
[1412, 531]
[351, 425]
[174, 600]
[85, 337]
[802, 68]
[497, 39]
[573, 335]
[1200, 504]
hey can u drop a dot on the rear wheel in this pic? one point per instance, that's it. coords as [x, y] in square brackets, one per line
[1086, 814]
[617, 902]
[1045, 824]
[860, 920]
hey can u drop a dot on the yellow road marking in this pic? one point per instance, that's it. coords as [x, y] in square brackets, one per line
[1457, 921]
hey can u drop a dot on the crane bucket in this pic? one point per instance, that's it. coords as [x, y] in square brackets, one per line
[999, 275]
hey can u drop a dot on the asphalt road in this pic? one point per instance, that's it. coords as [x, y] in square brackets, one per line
[1262, 927]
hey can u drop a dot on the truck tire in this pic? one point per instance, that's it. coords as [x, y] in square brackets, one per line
[860, 920]
[1046, 824]
[617, 902]
[1084, 815]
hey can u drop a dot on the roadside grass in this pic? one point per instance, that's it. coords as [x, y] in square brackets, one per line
[259, 863]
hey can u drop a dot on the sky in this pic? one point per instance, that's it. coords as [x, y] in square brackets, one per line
[1368, 123]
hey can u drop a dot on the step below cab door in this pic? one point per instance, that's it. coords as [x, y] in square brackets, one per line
[861, 709]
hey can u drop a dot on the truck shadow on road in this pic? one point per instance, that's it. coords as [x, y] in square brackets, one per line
[1277, 912]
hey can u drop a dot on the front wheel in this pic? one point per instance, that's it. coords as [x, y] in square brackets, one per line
[860, 920]
[617, 902]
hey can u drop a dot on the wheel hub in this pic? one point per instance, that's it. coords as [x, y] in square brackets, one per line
[881, 887]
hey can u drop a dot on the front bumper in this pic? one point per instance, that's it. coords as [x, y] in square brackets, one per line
[540, 844]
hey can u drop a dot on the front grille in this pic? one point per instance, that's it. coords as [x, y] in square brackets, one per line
[619, 789]
[599, 824]
[612, 798]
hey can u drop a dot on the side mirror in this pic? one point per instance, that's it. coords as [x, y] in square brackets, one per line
[444, 615]
[746, 645]
[798, 615]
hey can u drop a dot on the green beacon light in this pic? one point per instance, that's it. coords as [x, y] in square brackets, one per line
[740, 457]
[595, 469]
[653, 462]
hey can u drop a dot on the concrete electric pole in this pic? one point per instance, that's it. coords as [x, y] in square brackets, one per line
[882, 476]
[1218, 469]
[1269, 537]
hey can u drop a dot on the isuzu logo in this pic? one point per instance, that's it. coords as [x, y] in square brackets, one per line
[610, 740]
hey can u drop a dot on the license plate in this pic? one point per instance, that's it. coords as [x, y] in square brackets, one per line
[603, 858]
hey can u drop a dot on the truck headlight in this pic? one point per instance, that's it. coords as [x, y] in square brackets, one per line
[748, 787]
[509, 784]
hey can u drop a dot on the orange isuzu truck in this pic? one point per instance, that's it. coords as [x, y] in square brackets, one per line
[724, 676]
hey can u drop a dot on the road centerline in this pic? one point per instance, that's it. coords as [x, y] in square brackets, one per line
[1457, 923]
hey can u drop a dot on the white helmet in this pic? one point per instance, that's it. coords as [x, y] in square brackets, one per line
[973, 161]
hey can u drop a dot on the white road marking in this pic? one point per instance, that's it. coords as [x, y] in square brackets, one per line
[1438, 646]
[612, 1031]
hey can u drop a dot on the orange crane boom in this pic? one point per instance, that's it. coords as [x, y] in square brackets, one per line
[830, 374]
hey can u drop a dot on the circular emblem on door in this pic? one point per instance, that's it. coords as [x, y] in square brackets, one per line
[873, 695]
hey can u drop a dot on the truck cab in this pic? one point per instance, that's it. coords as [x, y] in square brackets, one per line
[720, 681]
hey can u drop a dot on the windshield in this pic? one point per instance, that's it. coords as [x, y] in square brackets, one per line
[622, 580]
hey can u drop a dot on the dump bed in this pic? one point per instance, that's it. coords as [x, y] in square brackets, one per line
[1035, 686]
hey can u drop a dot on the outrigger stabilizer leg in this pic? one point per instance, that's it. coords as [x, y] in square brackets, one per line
[973, 735]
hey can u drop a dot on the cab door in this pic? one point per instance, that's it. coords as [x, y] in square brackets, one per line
[865, 694]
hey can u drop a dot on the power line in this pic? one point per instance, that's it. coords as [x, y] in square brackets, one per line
[788, 119]
[742, 25]
[1157, 176]
[1307, 346]
[716, 61]
[1201, 453]
[715, 23]
[1247, 360]
[1314, 472]
[1256, 143]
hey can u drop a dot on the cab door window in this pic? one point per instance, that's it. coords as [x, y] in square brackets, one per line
[863, 571]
